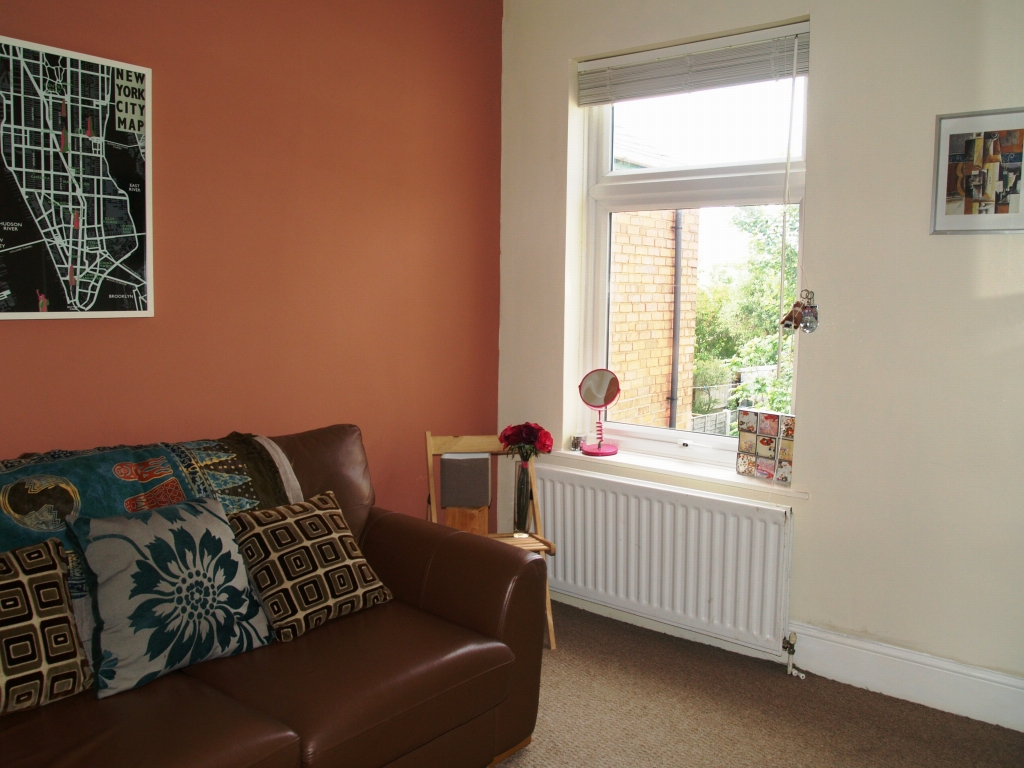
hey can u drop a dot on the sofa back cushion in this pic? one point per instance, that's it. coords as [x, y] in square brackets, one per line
[333, 459]
[306, 565]
[41, 655]
[170, 590]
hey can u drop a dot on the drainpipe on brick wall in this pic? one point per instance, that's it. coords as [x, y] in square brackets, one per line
[673, 400]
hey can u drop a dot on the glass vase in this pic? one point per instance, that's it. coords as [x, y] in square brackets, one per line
[521, 520]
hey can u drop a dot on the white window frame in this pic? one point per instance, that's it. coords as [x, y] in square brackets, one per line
[611, 191]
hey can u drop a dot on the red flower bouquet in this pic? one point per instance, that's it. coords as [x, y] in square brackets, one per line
[525, 440]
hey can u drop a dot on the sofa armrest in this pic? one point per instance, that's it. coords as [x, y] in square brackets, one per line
[476, 582]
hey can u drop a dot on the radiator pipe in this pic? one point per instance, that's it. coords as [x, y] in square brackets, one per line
[789, 646]
[673, 400]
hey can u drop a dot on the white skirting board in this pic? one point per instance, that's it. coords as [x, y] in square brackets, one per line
[973, 692]
[981, 694]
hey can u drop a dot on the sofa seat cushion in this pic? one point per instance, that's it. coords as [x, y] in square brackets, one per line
[368, 688]
[172, 722]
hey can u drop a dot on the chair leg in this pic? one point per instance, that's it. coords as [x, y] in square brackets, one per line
[551, 620]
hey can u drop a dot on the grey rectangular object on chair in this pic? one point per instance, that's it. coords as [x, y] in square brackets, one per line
[466, 480]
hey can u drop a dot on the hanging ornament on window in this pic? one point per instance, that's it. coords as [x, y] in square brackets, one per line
[803, 314]
[794, 317]
[809, 315]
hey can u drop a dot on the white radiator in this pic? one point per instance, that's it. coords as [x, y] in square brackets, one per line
[711, 564]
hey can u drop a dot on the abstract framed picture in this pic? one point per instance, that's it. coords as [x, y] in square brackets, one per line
[76, 218]
[976, 183]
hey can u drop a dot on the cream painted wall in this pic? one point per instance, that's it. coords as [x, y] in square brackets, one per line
[909, 394]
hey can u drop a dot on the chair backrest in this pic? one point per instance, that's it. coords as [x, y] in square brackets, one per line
[440, 444]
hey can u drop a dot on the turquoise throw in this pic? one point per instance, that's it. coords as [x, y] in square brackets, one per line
[38, 492]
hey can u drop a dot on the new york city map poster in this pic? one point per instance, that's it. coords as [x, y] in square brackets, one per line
[75, 187]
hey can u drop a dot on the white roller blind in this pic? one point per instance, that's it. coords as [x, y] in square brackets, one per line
[696, 67]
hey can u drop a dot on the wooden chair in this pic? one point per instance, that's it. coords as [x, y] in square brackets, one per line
[468, 519]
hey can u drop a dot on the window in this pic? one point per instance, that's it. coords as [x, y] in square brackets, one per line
[695, 175]
[722, 126]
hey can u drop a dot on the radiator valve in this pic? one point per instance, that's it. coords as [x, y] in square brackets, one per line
[789, 646]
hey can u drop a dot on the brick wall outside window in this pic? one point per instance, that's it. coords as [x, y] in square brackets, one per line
[641, 288]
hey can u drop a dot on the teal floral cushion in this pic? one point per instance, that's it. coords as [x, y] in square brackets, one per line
[170, 590]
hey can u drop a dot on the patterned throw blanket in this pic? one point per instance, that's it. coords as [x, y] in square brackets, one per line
[38, 491]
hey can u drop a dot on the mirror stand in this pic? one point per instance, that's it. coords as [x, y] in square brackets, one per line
[598, 390]
[601, 448]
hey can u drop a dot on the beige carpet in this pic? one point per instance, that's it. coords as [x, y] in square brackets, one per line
[618, 695]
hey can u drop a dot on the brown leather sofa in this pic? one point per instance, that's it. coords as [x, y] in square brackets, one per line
[447, 674]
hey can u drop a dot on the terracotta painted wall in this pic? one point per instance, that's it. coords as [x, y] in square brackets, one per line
[326, 203]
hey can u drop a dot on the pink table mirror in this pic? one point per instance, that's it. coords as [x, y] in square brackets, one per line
[599, 389]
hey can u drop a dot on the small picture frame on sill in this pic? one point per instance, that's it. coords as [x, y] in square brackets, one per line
[976, 184]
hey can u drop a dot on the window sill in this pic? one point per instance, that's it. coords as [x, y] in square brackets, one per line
[707, 473]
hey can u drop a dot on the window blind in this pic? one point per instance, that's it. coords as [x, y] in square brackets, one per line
[673, 70]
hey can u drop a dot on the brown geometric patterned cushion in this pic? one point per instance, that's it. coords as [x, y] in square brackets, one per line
[41, 656]
[305, 564]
